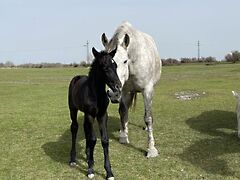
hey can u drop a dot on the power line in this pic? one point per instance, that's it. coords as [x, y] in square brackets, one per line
[198, 44]
[87, 56]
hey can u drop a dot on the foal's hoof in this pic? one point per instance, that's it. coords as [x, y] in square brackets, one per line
[153, 152]
[110, 178]
[90, 176]
[72, 164]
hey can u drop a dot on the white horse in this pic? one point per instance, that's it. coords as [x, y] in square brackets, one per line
[237, 110]
[139, 69]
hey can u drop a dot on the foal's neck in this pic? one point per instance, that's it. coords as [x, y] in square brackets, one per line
[96, 82]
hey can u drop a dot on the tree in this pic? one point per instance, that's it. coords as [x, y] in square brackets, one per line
[210, 59]
[9, 64]
[233, 57]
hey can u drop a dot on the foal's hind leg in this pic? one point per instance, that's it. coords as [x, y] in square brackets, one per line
[74, 129]
[90, 143]
[102, 121]
[125, 102]
[147, 95]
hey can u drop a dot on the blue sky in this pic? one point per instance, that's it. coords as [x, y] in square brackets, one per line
[56, 30]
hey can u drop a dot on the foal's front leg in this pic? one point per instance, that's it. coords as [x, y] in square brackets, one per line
[74, 129]
[90, 143]
[102, 121]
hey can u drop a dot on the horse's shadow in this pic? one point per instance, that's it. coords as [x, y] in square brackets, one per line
[221, 139]
[59, 150]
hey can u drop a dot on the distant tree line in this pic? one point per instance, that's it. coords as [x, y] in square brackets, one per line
[10, 64]
[171, 61]
[232, 57]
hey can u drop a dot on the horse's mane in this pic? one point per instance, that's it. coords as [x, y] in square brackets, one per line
[124, 28]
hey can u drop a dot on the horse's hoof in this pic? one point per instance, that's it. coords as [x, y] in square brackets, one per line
[72, 164]
[123, 140]
[90, 176]
[153, 152]
[110, 178]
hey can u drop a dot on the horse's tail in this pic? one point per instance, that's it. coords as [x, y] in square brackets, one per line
[133, 100]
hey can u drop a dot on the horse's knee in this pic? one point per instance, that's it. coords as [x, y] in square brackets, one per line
[122, 109]
[105, 142]
[91, 141]
[148, 122]
[74, 126]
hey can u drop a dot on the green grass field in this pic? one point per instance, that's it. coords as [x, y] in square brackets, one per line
[197, 139]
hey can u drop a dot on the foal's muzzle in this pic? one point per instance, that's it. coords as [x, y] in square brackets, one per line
[114, 94]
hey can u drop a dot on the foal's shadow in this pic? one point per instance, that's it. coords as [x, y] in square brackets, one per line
[221, 139]
[59, 150]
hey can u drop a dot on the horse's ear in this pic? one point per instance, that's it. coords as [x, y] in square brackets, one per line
[95, 52]
[126, 41]
[104, 40]
[113, 52]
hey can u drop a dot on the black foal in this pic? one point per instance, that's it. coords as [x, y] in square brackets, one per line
[88, 94]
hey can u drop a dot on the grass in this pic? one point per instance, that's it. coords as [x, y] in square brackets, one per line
[197, 139]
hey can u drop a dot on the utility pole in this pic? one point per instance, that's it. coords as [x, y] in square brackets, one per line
[87, 47]
[198, 44]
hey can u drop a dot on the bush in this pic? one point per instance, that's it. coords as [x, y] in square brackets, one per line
[188, 60]
[170, 62]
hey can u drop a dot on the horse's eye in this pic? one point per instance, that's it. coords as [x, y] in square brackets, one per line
[125, 62]
[113, 61]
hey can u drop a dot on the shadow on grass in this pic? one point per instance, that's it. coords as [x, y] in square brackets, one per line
[205, 153]
[59, 151]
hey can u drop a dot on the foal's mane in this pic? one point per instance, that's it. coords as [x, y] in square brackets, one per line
[95, 62]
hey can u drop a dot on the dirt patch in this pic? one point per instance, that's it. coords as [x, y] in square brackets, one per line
[189, 95]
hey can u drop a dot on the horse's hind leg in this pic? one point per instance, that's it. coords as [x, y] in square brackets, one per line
[90, 143]
[148, 95]
[74, 129]
[125, 102]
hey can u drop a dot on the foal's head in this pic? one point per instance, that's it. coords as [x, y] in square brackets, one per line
[108, 71]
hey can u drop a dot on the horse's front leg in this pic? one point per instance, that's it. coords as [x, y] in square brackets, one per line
[90, 143]
[148, 95]
[102, 121]
[125, 102]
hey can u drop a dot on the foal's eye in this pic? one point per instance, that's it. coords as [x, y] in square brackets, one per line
[113, 61]
[125, 62]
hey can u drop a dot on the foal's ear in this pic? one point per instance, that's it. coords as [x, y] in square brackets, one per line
[126, 41]
[95, 52]
[113, 52]
[104, 40]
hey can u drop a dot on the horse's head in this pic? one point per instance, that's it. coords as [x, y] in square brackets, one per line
[108, 68]
[121, 56]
